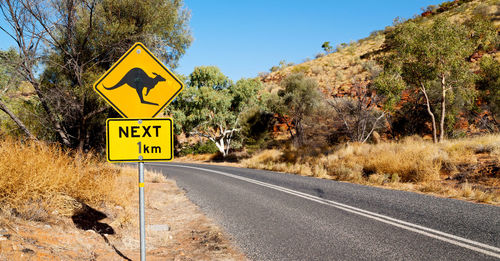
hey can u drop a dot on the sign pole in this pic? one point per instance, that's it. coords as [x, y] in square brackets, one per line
[130, 139]
[141, 211]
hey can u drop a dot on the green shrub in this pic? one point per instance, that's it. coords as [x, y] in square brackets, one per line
[300, 69]
[207, 147]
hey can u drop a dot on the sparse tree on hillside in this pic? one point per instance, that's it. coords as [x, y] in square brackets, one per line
[327, 47]
[489, 85]
[299, 99]
[65, 46]
[431, 59]
[358, 116]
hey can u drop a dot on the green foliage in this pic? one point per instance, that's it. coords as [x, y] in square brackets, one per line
[208, 76]
[300, 68]
[390, 84]
[202, 108]
[274, 68]
[327, 47]
[341, 47]
[489, 83]
[213, 107]
[299, 99]
[372, 68]
[255, 128]
[432, 59]
[9, 76]
[200, 148]
[17, 96]
[86, 40]
[482, 33]
[245, 95]
[445, 6]
[282, 65]
[160, 25]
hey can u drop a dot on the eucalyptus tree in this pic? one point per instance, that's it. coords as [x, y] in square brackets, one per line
[213, 107]
[298, 99]
[64, 46]
[430, 58]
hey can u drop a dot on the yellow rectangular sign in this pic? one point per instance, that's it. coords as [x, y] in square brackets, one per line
[139, 140]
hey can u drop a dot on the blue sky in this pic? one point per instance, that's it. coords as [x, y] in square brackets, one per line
[245, 37]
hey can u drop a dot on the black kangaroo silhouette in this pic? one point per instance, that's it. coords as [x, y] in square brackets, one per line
[138, 79]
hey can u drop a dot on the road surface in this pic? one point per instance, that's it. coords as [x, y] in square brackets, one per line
[276, 216]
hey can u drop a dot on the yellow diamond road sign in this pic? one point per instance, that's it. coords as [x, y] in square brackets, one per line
[138, 85]
[139, 140]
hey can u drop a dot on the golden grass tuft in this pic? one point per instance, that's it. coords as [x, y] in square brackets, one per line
[39, 181]
[262, 158]
[410, 164]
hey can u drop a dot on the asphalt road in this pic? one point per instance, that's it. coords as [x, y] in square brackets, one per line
[275, 216]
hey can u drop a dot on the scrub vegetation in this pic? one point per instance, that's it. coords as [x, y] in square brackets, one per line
[413, 106]
[43, 182]
[465, 168]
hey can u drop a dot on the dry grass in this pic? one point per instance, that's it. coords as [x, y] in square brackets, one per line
[197, 157]
[149, 175]
[40, 181]
[463, 168]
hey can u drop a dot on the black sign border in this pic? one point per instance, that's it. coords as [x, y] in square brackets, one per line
[119, 61]
[137, 160]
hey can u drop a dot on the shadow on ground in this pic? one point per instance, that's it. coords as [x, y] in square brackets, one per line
[87, 218]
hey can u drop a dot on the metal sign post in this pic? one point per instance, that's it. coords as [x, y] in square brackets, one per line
[141, 211]
[144, 138]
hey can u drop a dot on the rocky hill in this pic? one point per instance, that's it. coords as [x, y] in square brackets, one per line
[356, 63]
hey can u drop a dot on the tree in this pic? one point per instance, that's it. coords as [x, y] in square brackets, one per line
[358, 116]
[65, 45]
[209, 76]
[489, 84]
[298, 99]
[430, 59]
[327, 47]
[213, 107]
[9, 79]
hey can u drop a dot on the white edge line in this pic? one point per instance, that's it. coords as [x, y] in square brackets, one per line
[452, 239]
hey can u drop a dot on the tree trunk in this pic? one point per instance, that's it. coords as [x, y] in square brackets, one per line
[82, 134]
[220, 146]
[52, 118]
[443, 108]
[434, 127]
[373, 127]
[299, 133]
[19, 123]
[229, 139]
[288, 125]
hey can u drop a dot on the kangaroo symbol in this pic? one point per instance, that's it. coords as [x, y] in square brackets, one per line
[138, 79]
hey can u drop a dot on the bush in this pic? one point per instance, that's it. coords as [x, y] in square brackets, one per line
[207, 147]
[300, 69]
[319, 55]
[39, 181]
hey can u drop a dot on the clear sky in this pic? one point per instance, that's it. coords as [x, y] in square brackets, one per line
[245, 37]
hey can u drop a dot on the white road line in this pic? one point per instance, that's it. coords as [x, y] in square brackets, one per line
[452, 239]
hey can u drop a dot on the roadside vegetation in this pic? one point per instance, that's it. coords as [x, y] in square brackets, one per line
[362, 111]
[61, 205]
[42, 182]
[413, 106]
[465, 168]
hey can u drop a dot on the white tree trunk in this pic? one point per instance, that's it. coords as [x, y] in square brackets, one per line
[220, 146]
[443, 108]
[434, 127]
